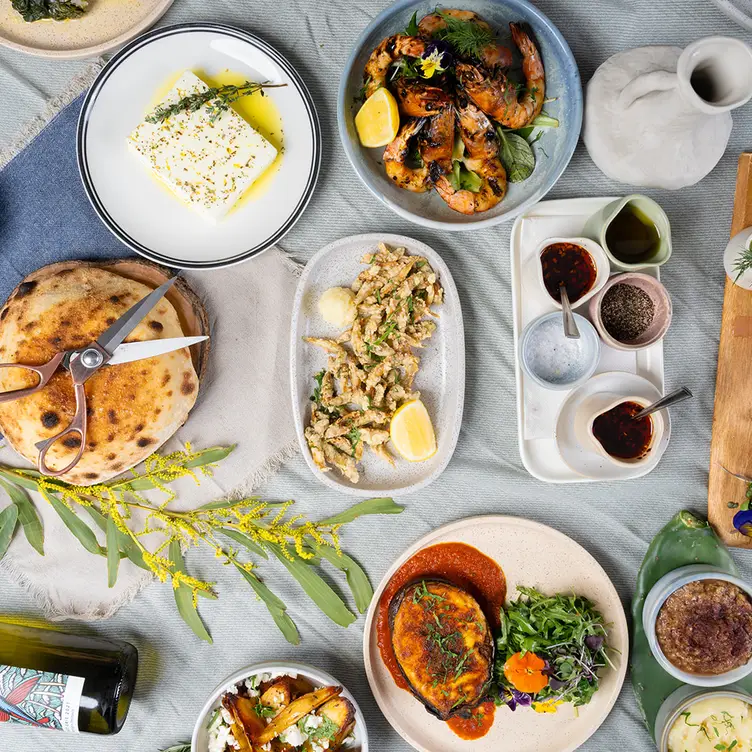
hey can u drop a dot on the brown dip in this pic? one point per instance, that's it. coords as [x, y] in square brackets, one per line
[705, 627]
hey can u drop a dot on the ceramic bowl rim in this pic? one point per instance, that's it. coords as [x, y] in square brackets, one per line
[615, 279]
[659, 427]
[602, 266]
[571, 139]
[700, 693]
[302, 669]
[657, 596]
[582, 324]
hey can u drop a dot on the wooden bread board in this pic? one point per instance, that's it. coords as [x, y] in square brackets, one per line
[191, 312]
[731, 445]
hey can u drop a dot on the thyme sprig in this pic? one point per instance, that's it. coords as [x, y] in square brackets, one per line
[155, 540]
[216, 100]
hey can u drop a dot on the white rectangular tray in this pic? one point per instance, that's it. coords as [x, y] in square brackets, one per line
[537, 408]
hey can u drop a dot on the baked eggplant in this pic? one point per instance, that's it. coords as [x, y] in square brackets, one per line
[443, 646]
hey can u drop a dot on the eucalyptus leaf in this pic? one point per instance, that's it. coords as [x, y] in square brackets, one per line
[244, 540]
[229, 503]
[19, 480]
[317, 589]
[27, 515]
[184, 596]
[517, 156]
[76, 525]
[185, 747]
[275, 606]
[8, 520]
[113, 552]
[383, 505]
[357, 579]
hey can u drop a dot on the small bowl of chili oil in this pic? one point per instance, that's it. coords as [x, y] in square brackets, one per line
[611, 429]
[632, 311]
[580, 263]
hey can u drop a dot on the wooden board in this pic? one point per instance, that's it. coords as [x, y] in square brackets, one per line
[731, 445]
[191, 312]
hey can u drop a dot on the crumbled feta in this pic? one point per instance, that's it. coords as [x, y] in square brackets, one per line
[251, 688]
[233, 690]
[226, 715]
[208, 160]
[320, 745]
[312, 722]
[293, 736]
[266, 747]
[221, 738]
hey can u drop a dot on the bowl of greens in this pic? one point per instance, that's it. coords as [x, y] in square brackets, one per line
[533, 124]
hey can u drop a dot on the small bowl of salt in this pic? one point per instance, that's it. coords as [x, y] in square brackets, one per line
[554, 361]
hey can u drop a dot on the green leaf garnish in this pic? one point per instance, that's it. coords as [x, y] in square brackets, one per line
[516, 155]
[57, 10]
[411, 29]
[467, 37]
[743, 261]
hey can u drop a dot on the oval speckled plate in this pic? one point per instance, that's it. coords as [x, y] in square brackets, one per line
[529, 554]
[440, 380]
[106, 25]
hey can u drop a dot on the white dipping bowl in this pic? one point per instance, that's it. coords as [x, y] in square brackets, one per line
[543, 370]
[657, 596]
[200, 738]
[600, 260]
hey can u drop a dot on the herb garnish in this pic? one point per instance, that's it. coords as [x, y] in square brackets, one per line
[743, 261]
[58, 10]
[264, 711]
[216, 99]
[412, 29]
[467, 37]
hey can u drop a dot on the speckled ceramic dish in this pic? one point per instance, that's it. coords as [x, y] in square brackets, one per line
[105, 26]
[440, 381]
[200, 740]
[562, 83]
[529, 554]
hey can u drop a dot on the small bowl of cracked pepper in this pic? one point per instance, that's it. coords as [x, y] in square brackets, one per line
[632, 311]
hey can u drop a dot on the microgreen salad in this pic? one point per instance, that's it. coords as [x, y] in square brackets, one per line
[281, 710]
[549, 651]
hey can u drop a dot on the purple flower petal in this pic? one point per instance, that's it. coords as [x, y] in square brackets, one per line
[555, 683]
[523, 699]
[594, 642]
[743, 522]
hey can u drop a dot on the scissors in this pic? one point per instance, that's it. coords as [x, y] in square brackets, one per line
[83, 363]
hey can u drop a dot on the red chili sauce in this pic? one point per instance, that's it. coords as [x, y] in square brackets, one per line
[569, 264]
[468, 568]
[621, 435]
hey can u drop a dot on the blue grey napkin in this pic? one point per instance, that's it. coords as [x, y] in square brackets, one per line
[45, 215]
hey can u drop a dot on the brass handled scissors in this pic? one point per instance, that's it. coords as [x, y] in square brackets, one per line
[84, 362]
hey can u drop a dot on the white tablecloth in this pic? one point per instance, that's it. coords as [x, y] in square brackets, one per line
[614, 522]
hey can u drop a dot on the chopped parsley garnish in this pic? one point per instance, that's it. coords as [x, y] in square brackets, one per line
[265, 711]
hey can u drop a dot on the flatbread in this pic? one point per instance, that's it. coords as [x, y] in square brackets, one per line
[133, 407]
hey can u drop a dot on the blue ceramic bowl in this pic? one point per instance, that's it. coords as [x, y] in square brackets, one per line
[562, 83]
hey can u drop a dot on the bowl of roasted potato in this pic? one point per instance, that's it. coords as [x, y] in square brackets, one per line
[280, 707]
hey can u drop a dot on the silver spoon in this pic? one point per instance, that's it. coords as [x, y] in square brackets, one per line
[570, 325]
[672, 398]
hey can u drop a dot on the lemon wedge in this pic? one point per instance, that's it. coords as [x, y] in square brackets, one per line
[412, 433]
[377, 121]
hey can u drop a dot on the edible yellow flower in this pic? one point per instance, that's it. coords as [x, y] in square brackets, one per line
[547, 706]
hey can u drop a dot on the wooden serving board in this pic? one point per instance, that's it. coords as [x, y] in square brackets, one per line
[191, 312]
[731, 445]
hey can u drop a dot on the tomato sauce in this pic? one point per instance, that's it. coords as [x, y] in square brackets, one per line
[477, 725]
[466, 567]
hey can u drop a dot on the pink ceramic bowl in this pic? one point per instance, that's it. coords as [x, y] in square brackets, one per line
[661, 318]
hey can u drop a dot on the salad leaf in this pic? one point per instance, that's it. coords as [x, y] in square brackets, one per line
[58, 10]
[564, 630]
[462, 179]
[412, 28]
[517, 156]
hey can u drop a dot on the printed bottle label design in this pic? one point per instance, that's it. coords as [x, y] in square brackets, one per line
[39, 698]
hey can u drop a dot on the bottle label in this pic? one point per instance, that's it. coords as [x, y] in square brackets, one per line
[39, 698]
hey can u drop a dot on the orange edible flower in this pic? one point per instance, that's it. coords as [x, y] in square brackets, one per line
[525, 672]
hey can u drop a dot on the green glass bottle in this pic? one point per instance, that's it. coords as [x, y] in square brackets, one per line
[60, 681]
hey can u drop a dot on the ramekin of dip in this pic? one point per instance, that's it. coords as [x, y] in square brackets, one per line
[552, 360]
[698, 622]
[692, 719]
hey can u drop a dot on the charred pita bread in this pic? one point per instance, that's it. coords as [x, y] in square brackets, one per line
[133, 408]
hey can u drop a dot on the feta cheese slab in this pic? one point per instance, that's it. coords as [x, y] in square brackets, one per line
[209, 164]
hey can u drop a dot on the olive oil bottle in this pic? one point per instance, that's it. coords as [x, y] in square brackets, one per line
[60, 681]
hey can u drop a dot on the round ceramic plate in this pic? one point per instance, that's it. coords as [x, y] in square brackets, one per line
[530, 554]
[590, 463]
[140, 211]
[553, 151]
[106, 25]
[440, 380]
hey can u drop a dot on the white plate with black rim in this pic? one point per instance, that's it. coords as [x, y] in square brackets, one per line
[140, 211]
